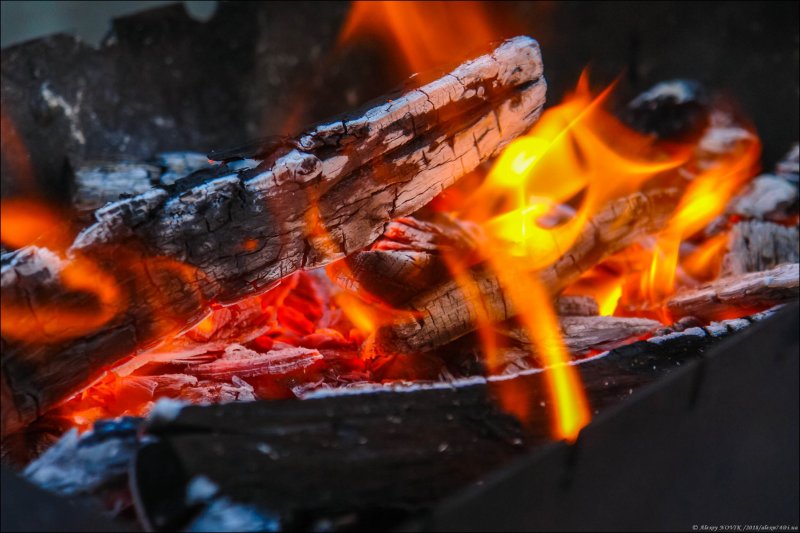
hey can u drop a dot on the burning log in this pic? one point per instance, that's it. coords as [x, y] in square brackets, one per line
[738, 294]
[407, 260]
[93, 184]
[446, 312]
[221, 234]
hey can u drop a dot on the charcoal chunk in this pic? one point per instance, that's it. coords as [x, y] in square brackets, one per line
[675, 109]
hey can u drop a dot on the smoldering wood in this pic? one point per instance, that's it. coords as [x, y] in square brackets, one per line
[754, 246]
[673, 109]
[738, 294]
[447, 312]
[176, 165]
[409, 259]
[398, 449]
[220, 235]
[576, 305]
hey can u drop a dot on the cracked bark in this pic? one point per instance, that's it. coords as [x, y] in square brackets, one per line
[222, 234]
[755, 245]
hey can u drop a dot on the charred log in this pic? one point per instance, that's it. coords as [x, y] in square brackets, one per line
[222, 234]
[768, 197]
[754, 246]
[584, 333]
[738, 294]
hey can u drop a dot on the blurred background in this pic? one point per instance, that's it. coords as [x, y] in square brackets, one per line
[88, 20]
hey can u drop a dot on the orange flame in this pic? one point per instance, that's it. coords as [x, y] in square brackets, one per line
[704, 263]
[576, 150]
[426, 34]
[705, 199]
[88, 296]
[24, 221]
[533, 303]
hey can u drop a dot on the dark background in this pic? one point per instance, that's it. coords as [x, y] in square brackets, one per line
[164, 80]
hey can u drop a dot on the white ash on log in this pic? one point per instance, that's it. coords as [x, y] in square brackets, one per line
[767, 197]
[754, 246]
[738, 294]
[176, 165]
[220, 235]
[446, 312]
[789, 167]
[96, 183]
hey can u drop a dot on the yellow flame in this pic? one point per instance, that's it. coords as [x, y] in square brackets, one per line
[705, 199]
[533, 304]
[426, 34]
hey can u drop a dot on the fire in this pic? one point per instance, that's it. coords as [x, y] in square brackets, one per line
[603, 285]
[705, 199]
[24, 221]
[575, 148]
[88, 296]
[533, 302]
[576, 154]
[704, 263]
[426, 34]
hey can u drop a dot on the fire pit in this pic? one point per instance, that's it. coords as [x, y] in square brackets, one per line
[422, 313]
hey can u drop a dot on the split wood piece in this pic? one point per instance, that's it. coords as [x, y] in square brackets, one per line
[738, 295]
[576, 305]
[789, 166]
[221, 235]
[754, 246]
[93, 184]
[447, 312]
[584, 333]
